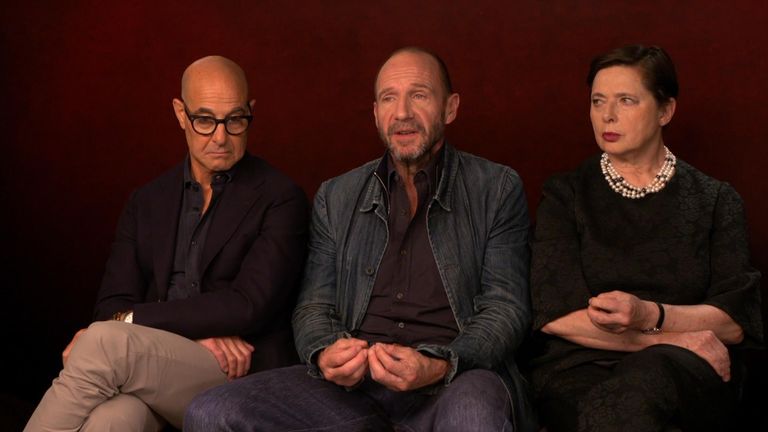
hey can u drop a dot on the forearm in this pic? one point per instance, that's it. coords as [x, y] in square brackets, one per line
[122, 286]
[576, 327]
[226, 312]
[124, 282]
[489, 338]
[702, 317]
[314, 329]
[501, 312]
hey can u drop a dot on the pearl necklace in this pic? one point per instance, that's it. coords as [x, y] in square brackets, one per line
[620, 186]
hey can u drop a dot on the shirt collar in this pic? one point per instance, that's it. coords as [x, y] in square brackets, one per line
[218, 178]
[432, 171]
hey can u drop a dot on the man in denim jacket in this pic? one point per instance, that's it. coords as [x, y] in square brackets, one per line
[416, 289]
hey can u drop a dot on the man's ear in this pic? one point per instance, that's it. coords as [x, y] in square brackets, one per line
[178, 109]
[451, 107]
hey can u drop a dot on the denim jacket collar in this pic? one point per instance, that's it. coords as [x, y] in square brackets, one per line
[376, 193]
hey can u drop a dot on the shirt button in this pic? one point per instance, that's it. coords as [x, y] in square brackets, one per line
[399, 296]
[194, 284]
[194, 243]
[401, 324]
[369, 271]
[403, 252]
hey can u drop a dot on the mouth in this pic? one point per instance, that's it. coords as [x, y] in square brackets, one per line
[405, 129]
[218, 153]
[611, 136]
[405, 133]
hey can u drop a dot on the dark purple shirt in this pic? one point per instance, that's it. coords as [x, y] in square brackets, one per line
[408, 304]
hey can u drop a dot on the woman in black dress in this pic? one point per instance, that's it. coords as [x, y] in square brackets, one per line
[641, 283]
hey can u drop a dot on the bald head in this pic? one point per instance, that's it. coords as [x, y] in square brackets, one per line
[215, 73]
[214, 95]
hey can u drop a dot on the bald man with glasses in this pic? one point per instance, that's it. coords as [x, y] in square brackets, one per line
[201, 279]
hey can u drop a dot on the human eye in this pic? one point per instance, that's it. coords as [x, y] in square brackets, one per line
[627, 100]
[204, 121]
[386, 98]
[237, 124]
[596, 102]
[419, 96]
[237, 118]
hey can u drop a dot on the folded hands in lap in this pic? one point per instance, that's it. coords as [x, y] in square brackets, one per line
[396, 367]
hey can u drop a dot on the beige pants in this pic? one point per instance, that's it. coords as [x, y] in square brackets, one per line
[126, 377]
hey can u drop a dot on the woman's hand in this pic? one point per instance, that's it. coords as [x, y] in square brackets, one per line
[617, 312]
[706, 345]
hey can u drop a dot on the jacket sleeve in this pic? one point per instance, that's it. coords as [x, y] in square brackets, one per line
[502, 311]
[124, 284]
[316, 322]
[735, 284]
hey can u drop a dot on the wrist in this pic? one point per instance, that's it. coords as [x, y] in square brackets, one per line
[124, 316]
[440, 368]
[655, 327]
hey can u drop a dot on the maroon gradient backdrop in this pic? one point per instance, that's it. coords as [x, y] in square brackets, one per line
[86, 112]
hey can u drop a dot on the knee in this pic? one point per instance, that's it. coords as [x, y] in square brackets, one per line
[478, 397]
[100, 332]
[123, 413]
[207, 411]
[483, 387]
[100, 339]
[97, 422]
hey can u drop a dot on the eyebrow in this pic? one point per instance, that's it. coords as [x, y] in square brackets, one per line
[616, 95]
[419, 86]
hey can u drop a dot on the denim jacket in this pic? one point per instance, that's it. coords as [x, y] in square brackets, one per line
[478, 228]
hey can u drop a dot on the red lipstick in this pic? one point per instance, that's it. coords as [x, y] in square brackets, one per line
[611, 136]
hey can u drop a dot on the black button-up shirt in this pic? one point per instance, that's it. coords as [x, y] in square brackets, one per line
[192, 233]
[408, 304]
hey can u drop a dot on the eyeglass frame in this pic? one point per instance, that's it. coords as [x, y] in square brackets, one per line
[193, 117]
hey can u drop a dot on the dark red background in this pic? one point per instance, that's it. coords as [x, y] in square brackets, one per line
[86, 114]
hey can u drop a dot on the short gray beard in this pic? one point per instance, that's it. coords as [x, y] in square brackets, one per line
[423, 148]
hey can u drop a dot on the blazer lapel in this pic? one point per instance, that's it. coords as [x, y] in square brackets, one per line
[235, 202]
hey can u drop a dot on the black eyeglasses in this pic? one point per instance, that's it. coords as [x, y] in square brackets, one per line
[206, 125]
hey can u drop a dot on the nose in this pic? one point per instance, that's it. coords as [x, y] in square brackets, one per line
[609, 113]
[404, 111]
[219, 135]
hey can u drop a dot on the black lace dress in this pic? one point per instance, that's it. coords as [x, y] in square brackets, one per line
[684, 245]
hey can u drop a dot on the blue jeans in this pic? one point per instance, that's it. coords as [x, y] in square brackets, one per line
[289, 399]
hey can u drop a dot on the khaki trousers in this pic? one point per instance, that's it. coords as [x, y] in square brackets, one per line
[126, 377]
